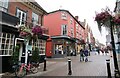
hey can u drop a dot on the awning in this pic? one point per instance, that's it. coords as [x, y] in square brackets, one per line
[63, 37]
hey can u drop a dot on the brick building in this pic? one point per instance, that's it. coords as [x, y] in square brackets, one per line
[14, 14]
[64, 30]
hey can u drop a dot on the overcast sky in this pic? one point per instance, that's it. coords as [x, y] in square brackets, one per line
[85, 9]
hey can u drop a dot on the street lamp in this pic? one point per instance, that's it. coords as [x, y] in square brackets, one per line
[105, 18]
[113, 48]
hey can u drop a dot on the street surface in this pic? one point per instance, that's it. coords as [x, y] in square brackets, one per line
[96, 66]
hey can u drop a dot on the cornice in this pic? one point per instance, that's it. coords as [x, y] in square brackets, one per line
[33, 7]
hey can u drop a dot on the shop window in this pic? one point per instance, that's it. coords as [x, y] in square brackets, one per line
[41, 45]
[6, 47]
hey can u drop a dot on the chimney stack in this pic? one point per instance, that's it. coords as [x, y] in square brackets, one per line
[76, 17]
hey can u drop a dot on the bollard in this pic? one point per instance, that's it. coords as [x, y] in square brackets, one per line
[108, 68]
[117, 73]
[69, 67]
[44, 64]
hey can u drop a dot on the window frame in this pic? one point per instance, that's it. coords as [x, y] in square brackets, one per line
[64, 15]
[21, 17]
[4, 5]
[62, 29]
[41, 45]
[6, 43]
[34, 16]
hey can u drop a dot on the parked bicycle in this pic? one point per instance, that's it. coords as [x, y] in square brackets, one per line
[22, 69]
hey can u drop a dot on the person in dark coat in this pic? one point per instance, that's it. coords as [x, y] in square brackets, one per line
[81, 55]
[86, 55]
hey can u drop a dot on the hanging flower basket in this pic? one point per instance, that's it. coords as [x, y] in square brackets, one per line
[37, 30]
[117, 21]
[105, 18]
[30, 34]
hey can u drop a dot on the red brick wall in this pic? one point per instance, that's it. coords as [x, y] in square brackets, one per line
[13, 8]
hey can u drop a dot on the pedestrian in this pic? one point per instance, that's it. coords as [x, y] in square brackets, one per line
[81, 55]
[86, 55]
[106, 51]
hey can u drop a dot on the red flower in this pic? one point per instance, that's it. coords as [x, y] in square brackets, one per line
[23, 34]
[37, 30]
[117, 21]
[103, 16]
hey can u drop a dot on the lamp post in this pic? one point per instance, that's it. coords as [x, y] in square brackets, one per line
[105, 18]
[113, 49]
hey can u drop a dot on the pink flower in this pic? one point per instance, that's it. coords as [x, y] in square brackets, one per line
[117, 21]
[37, 30]
[102, 16]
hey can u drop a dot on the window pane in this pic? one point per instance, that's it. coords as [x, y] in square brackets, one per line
[10, 52]
[11, 46]
[4, 35]
[0, 34]
[34, 18]
[2, 52]
[2, 46]
[6, 46]
[8, 35]
[5, 52]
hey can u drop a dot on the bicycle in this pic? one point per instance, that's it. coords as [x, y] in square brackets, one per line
[22, 69]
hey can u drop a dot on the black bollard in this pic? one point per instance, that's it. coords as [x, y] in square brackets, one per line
[44, 64]
[117, 73]
[69, 67]
[108, 68]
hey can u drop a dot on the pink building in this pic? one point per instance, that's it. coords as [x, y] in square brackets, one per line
[62, 29]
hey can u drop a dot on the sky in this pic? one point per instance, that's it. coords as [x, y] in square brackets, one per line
[85, 9]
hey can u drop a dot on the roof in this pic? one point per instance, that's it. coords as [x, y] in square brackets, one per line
[36, 4]
[70, 14]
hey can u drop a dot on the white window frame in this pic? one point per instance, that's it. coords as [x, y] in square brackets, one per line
[72, 32]
[63, 28]
[6, 43]
[22, 19]
[35, 17]
[41, 45]
[63, 15]
[71, 21]
[4, 5]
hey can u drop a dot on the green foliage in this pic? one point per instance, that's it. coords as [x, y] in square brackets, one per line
[35, 55]
[15, 57]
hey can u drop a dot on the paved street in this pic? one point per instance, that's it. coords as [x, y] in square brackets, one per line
[96, 66]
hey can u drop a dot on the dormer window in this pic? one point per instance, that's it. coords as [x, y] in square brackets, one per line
[63, 15]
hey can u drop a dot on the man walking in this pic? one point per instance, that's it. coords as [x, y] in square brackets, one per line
[86, 55]
[81, 55]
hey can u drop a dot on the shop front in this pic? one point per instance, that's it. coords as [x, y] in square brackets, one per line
[8, 32]
[63, 46]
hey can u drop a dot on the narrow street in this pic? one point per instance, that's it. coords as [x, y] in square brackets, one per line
[96, 66]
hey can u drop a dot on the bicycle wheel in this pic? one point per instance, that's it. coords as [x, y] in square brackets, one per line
[20, 73]
[34, 69]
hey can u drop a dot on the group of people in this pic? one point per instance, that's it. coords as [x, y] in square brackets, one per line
[84, 55]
